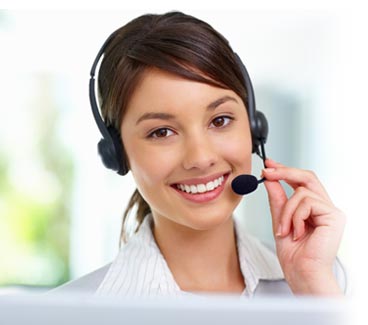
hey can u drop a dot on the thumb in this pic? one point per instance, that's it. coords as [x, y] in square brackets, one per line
[277, 199]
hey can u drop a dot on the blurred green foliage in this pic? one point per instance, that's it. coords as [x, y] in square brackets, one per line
[34, 228]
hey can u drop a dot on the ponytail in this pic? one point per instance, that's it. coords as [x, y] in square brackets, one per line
[142, 210]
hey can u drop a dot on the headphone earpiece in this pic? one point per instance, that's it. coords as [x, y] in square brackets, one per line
[112, 152]
[257, 120]
[110, 147]
[259, 129]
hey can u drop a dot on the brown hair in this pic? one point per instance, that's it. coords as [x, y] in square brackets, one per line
[174, 42]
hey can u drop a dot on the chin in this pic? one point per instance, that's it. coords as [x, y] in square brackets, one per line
[204, 218]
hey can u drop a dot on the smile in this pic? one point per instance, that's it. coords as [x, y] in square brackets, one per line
[201, 188]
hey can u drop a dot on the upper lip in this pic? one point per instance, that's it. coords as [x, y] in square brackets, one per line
[201, 180]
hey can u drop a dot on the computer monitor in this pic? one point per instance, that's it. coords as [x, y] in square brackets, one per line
[188, 310]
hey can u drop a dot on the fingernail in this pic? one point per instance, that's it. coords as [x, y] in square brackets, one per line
[295, 237]
[279, 231]
[269, 170]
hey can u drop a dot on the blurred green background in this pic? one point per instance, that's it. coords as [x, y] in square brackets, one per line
[34, 215]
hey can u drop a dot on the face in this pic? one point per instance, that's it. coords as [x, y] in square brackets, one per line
[186, 141]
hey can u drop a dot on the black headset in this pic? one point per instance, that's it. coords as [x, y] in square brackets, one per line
[110, 147]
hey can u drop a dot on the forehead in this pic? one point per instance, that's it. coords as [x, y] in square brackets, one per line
[164, 91]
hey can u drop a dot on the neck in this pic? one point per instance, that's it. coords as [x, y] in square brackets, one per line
[200, 260]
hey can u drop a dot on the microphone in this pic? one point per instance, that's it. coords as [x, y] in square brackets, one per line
[245, 184]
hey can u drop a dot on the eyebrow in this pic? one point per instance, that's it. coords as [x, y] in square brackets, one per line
[220, 101]
[168, 116]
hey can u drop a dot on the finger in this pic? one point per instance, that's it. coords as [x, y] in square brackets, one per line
[290, 208]
[277, 199]
[302, 213]
[295, 178]
[317, 213]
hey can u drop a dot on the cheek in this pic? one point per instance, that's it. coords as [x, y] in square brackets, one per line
[149, 167]
[237, 149]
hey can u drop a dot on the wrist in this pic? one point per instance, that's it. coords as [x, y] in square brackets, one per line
[315, 283]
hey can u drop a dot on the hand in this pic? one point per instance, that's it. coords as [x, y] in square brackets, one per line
[307, 229]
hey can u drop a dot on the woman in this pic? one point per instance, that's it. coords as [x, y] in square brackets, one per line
[174, 98]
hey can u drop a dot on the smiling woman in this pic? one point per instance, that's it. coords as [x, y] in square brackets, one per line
[178, 113]
[205, 138]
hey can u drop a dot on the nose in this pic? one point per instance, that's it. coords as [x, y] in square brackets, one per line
[199, 153]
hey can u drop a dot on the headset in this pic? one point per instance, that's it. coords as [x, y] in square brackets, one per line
[110, 147]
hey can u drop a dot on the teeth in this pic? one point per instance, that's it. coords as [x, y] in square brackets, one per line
[210, 186]
[201, 188]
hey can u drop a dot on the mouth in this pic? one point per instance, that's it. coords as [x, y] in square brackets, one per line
[202, 187]
[200, 191]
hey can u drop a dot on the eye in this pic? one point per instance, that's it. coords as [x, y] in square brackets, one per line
[221, 121]
[161, 133]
